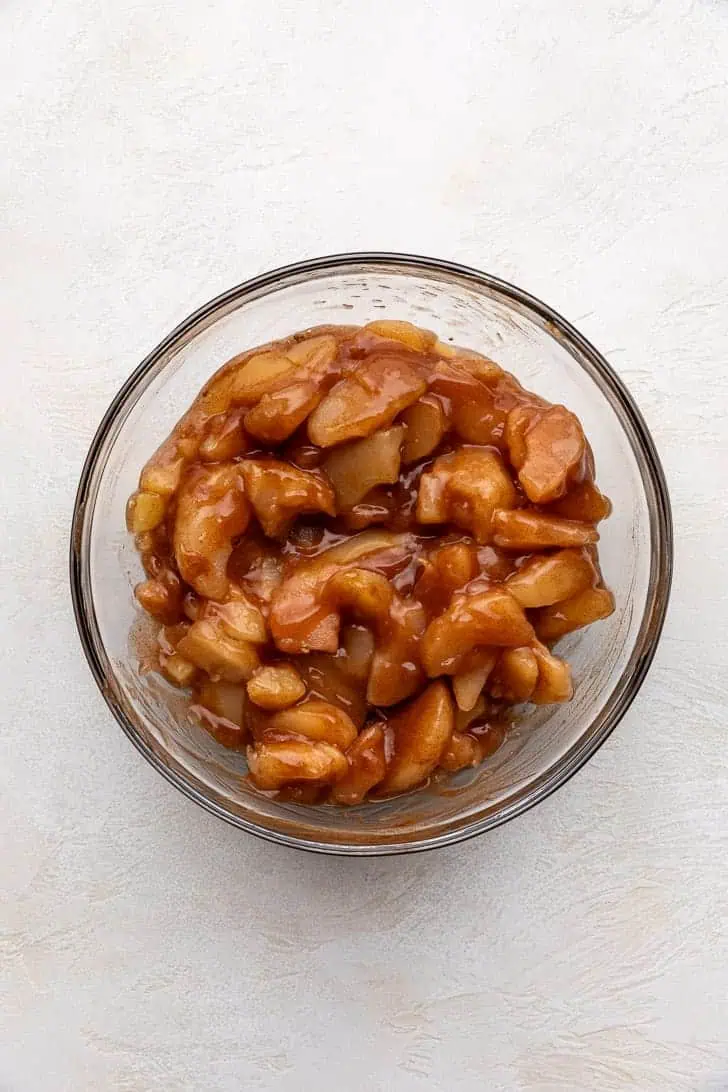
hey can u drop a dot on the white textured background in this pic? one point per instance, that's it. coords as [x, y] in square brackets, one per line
[151, 155]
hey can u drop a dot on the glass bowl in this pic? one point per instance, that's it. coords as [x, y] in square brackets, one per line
[473, 309]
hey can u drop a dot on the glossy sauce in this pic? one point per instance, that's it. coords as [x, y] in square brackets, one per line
[256, 563]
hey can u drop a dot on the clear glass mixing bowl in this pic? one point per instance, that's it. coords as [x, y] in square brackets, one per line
[470, 308]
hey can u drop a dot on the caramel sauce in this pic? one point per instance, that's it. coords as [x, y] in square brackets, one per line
[394, 611]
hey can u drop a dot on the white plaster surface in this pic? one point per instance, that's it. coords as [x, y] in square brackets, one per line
[152, 154]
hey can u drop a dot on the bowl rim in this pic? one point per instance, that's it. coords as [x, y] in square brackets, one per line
[661, 543]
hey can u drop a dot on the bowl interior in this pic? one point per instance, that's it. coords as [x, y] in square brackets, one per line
[608, 659]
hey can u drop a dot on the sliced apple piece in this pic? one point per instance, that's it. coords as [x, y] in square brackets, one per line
[474, 619]
[368, 398]
[275, 763]
[367, 767]
[524, 529]
[316, 720]
[542, 581]
[420, 733]
[588, 606]
[355, 468]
